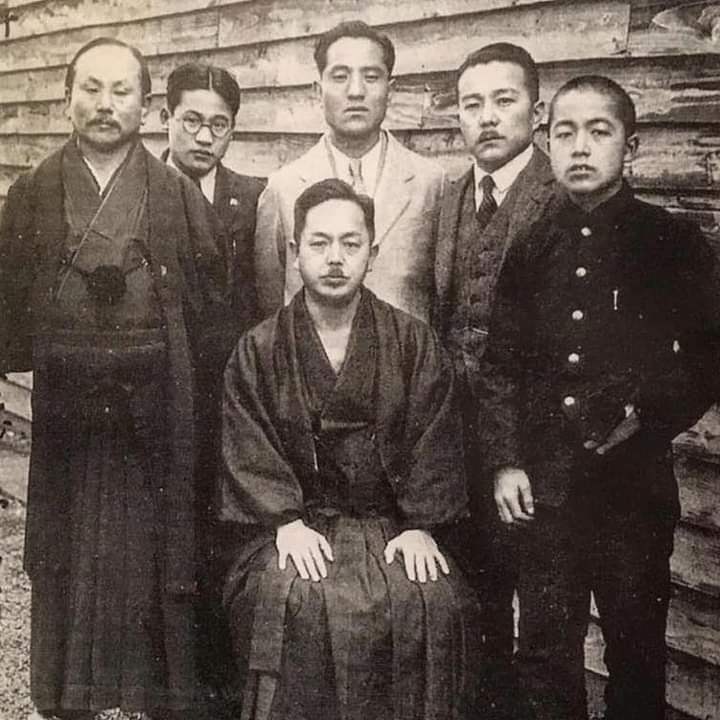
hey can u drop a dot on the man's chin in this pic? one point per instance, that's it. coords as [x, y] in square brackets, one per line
[107, 144]
[342, 298]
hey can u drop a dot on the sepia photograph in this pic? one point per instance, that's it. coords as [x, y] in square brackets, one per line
[359, 360]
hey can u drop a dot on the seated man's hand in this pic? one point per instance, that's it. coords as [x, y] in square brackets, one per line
[420, 554]
[306, 547]
[513, 496]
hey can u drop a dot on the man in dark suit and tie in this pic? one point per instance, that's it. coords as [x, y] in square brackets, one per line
[483, 213]
[201, 105]
[202, 102]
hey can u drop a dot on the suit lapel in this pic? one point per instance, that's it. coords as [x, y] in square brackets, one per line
[529, 190]
[315, 164]
[393, 193]
[223, 193]
[447, 235]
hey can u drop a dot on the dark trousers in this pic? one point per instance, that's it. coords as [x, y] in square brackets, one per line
[495, 585]
[622, 555]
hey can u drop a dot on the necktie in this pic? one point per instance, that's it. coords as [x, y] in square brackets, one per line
[356, 178]
[488, 206]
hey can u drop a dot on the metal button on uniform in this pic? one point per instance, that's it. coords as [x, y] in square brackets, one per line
[585, 231]
[568, 401]
[573, 358]
[581, 272]
[578, 315]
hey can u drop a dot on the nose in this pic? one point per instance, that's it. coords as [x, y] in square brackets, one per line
[356, 87]
[581, 146]
[488, 115]
[204, 136]
[334, 254]
[104, 99]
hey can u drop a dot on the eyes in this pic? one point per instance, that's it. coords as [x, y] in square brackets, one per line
[598, 133]
[219, 126]
[350, 245]
[504, 102]
[118, 91]
[342, 75]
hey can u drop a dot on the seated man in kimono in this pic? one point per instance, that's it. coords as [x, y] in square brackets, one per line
[342, 466]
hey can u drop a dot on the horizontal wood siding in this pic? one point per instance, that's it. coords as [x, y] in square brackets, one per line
[673, 74]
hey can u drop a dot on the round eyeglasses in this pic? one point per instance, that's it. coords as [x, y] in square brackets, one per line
[219, 127]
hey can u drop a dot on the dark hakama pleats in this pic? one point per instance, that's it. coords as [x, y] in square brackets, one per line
[365, 642]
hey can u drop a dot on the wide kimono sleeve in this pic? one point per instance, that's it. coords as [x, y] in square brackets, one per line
[17, 273]
[429, 477]
[257, 485]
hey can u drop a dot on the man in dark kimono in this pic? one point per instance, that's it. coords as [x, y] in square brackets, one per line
[342, 449]
[202, 103]
[603, 346]
[112, 291]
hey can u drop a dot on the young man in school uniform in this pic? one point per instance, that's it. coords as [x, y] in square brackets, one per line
[603, 346]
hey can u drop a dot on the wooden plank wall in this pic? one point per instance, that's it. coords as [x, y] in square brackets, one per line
[658, 51]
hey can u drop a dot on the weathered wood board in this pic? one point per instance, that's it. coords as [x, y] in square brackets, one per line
[693, 685]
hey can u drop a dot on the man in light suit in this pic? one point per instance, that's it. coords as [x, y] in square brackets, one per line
[355, 64]
[483, 213]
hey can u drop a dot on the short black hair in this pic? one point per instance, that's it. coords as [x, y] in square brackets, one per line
[201, 76]
[354, 29]
[332, 189]
[145, 79]
[509, 53]
[624, 106]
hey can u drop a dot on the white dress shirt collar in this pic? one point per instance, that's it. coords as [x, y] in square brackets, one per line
[207, 181]
[369, 164]
[504, 177]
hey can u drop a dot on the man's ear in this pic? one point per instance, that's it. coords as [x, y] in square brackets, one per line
[147, 99]
[538, 114]
[294, 250]
[631, 148]
[374, 250]
[317, 91]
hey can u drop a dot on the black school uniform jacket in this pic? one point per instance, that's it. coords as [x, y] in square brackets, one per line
[596, 312]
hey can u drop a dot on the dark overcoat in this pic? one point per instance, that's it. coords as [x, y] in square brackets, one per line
[189, 276]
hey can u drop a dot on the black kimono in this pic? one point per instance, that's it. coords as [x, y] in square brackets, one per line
[104, 296]
[360, 456]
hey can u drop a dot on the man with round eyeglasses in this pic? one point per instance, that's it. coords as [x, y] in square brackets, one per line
[202, 102]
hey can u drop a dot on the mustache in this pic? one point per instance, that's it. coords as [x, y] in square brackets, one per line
[104, 121]
[489, 135]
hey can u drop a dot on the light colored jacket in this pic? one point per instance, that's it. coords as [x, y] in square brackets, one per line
[407, 207]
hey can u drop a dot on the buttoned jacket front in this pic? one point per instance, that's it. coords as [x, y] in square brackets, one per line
[597, 313]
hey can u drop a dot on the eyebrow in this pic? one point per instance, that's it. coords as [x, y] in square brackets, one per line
[592, 121]
[345, 66]
[97, 81]
[499, 91]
